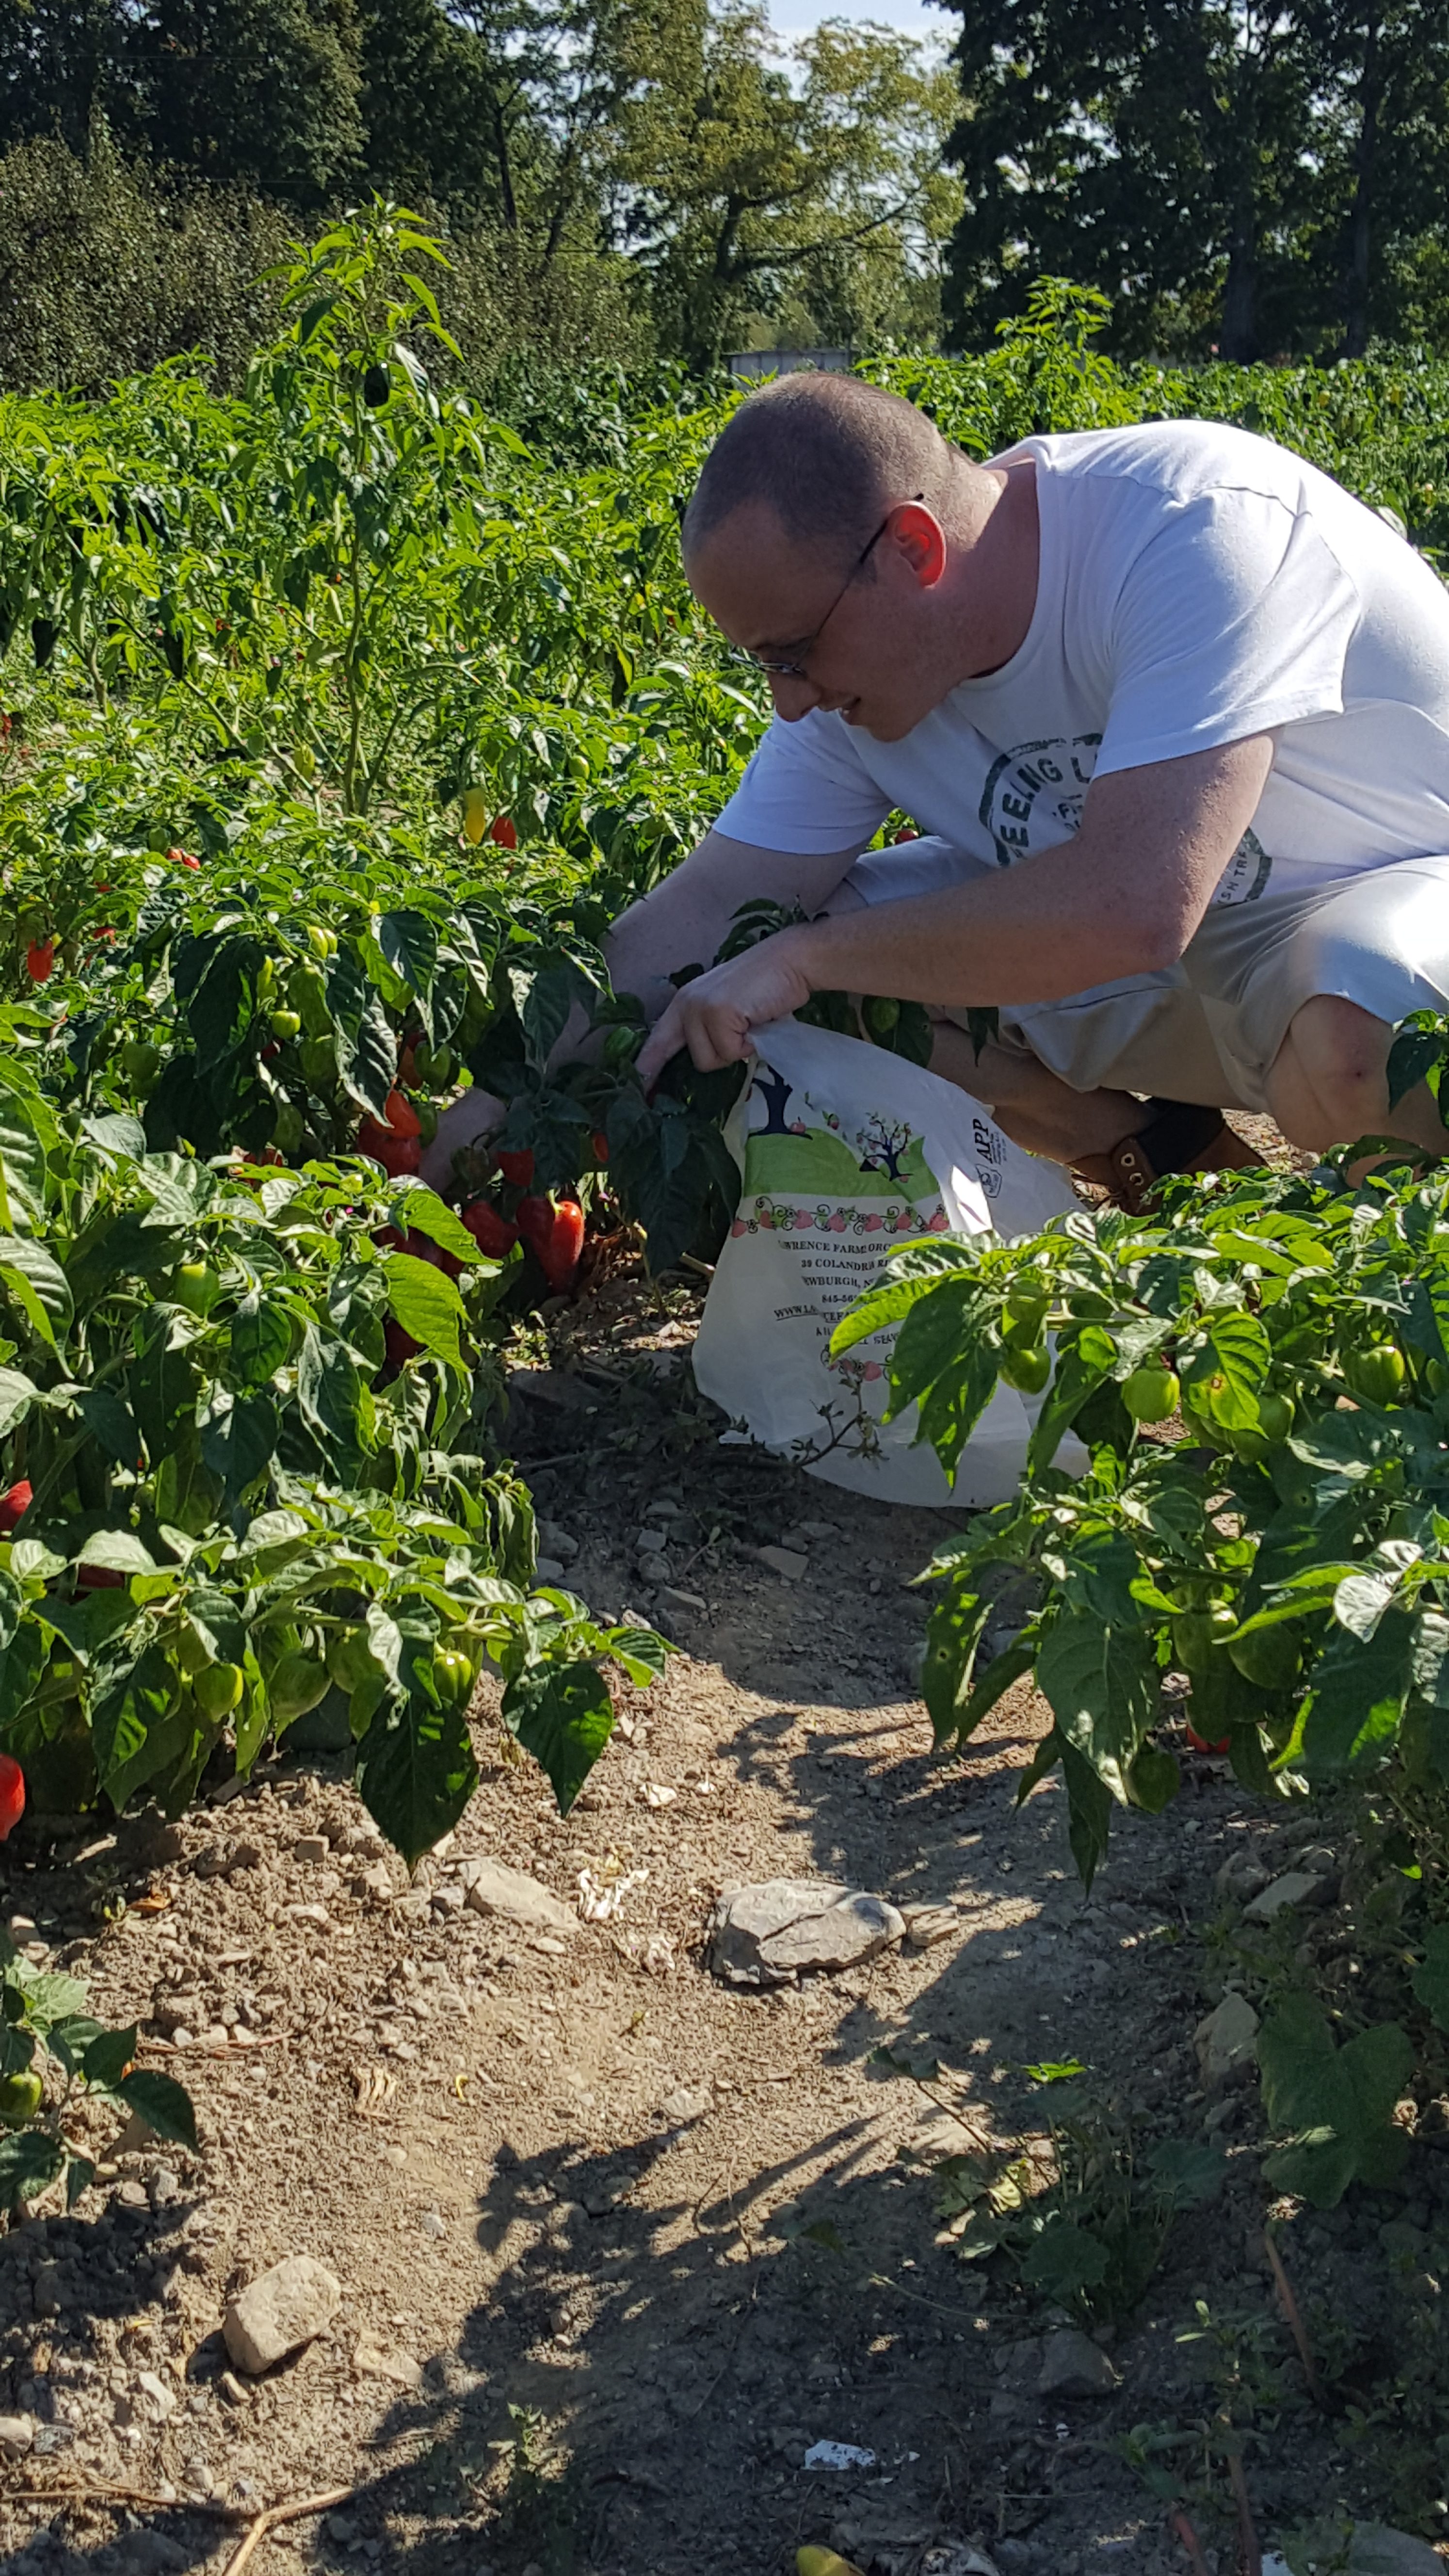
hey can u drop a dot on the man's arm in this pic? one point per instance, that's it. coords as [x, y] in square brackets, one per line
[681, 923]
[1123, 897]
[685, 919]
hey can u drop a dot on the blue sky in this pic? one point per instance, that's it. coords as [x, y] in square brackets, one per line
[797, 17]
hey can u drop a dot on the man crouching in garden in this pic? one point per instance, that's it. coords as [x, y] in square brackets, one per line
[1172, 710]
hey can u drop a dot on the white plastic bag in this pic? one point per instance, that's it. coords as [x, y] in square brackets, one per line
[846, 1149]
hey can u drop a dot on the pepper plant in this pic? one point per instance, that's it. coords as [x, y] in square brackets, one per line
[237, 1423]
[51, 2052]
[1287, 1555]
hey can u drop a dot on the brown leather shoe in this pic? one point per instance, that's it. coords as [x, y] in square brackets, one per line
[1178, 1137]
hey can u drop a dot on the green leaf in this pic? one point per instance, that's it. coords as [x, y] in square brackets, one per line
[562, 1714]
[995, 1682]
[953, 1633]
[416, 1772]
[939, 1333]
[126, 1712]
[30, 2160]
[1187, 2171]
[223, 1003]
[1084, 1360]
[641, 1651]
[1236, 1348]
[366, 1048]
[50, 1998]
[80, 2173]
[335, 1399]
[164, 2105]
[119, 1551]
[39, 1285]
[1356, 1704]
[1431, 1977]
[111, 1423]
[1102, 1684]
[544, 998]
[420, 1210]
[70, 2038]
[163, 1383]
[914, 1272]
[951, 1409]
[1065, 2261]
[238, 1440]
[1338, 2102]
[1414, 1053]
[424, 1300]
[108, 2056]
[1089, 1807]
[261, 1339]
[17, 1394]
[409, 944]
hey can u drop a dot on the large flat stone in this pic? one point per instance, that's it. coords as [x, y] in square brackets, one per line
[1283, 1895]
[1376, 2551]
[769, 1933]
[493, 1888]
[1227, 2041]
[1073, 2366]
[274, 2315]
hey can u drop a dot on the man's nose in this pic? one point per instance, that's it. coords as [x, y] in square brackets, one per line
[793, 698]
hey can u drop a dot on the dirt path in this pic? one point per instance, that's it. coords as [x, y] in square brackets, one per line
[618, 2245]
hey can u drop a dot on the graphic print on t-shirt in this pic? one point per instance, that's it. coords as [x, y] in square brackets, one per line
[1056, 775]
[1046, 783]
[1246, 875]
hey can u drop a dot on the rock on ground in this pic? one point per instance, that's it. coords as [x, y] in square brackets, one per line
[1295, 1887]
[1376, 2551]
[287, 2306]
[1227, 2041]
[493, 1888]
[766, 1934]
[1073, 2366]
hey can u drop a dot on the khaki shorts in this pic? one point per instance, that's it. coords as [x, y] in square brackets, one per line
[1209, 1028]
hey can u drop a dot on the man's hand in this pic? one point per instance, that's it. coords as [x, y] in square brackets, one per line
[714, 1015]
[472, 1117]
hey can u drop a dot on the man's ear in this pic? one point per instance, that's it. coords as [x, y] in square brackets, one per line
[922, 540]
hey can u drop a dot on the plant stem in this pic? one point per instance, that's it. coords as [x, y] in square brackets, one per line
[1292, 2313]
[1179, 2523]
[1252, 2554]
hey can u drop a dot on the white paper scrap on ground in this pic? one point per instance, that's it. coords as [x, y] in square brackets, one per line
[846, 1150]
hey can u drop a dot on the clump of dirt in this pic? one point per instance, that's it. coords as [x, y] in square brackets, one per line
[618, 2244]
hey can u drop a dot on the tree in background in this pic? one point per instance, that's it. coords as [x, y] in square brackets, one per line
[613, 175]
[1384, 128]
[60, 67]
[1151, 148]
[808, 188]
[1247, 178]
[261, 93]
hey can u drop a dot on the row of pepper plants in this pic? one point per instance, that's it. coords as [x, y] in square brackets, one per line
[1259, 1374]
[334, 728]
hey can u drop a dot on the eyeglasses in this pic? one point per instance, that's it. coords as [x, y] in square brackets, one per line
[795, 670]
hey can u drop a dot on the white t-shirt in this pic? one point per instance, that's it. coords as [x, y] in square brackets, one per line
[1197, 584]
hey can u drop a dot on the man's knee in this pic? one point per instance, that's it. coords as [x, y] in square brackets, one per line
[1329, 1083]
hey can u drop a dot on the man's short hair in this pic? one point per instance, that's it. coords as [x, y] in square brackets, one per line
[827, 454]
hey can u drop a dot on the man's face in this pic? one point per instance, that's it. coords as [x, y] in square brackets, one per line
[871, 651]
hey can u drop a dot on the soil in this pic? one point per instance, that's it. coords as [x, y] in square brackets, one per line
[616, 2243]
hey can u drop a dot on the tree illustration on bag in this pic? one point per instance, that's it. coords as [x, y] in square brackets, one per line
[775, 1091]
[883, 1148]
